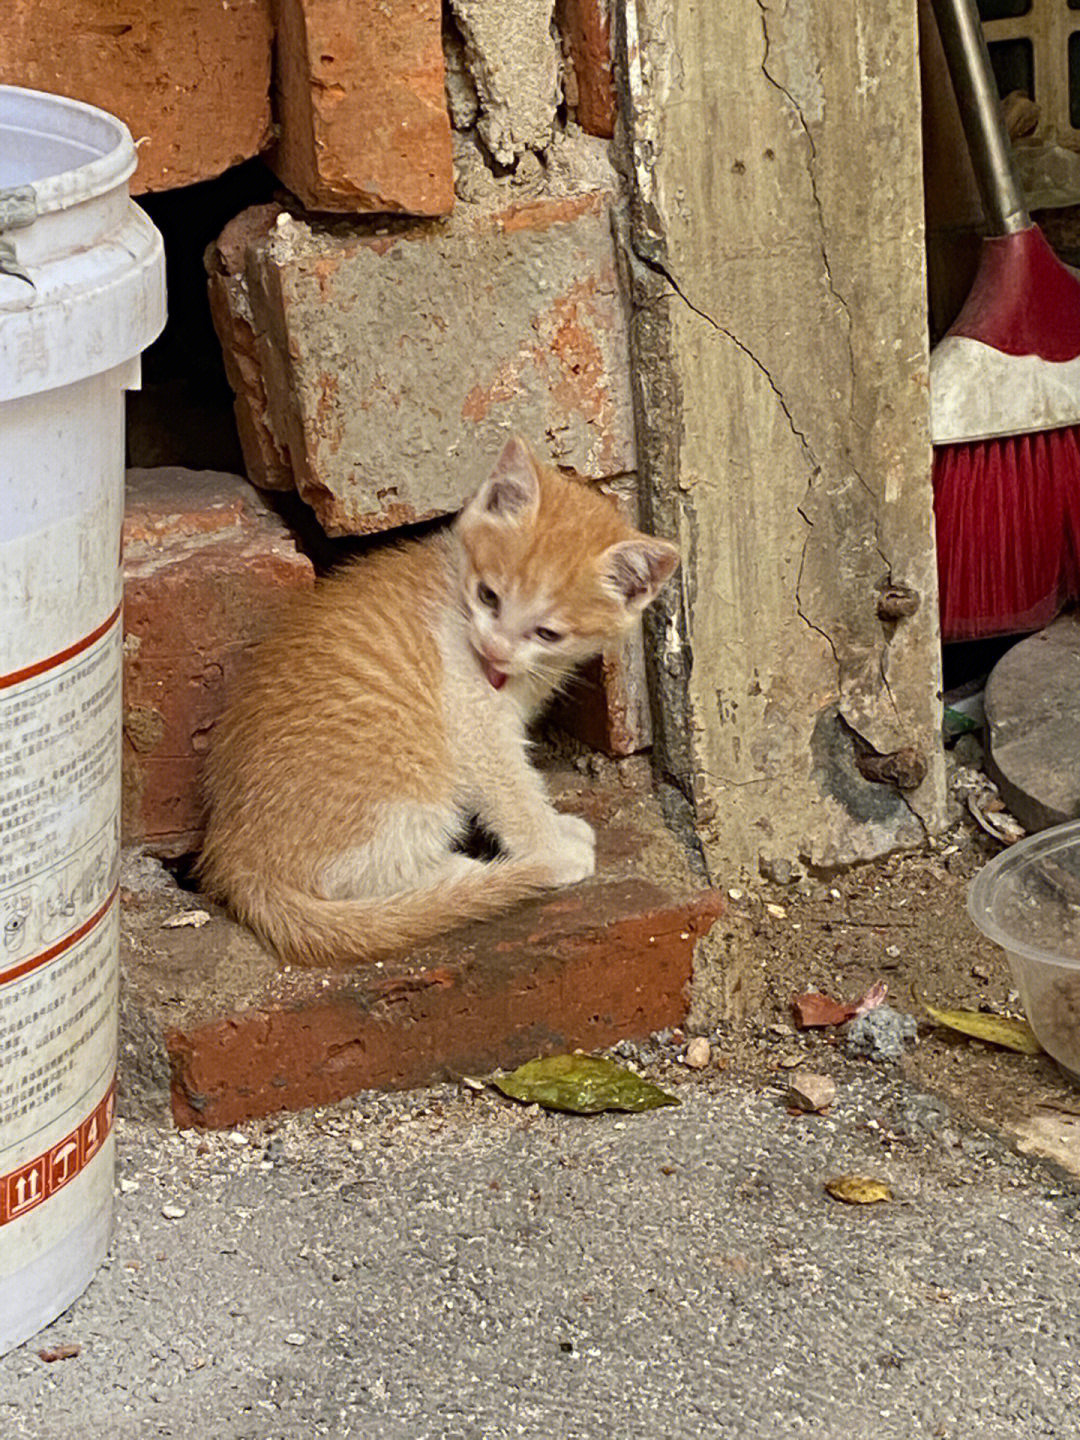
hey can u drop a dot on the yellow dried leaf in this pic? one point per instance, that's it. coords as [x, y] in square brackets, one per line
[995, 1029]
[857, 1189]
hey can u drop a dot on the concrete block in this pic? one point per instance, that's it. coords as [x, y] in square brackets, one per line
[582, 967]
[586, 32]
[205, 558]
[190, 79]
[514, 62]
[392, 366]
[361, 104]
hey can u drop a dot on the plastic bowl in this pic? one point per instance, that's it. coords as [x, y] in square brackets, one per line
[1027, 900]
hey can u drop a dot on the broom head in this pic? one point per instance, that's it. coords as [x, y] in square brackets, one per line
[1005, 410]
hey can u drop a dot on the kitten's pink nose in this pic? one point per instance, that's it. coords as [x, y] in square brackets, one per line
[494, 653]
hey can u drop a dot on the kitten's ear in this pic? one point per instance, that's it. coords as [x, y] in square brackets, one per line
[512, 490]
[638, 569]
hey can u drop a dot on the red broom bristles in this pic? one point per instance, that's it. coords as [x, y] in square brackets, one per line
[1007, 515]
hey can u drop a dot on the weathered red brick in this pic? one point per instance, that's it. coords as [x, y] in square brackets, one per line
[267, 464]
[586, 30]
[205, 559]
[579, 970]
[194, 108]
[361, 102]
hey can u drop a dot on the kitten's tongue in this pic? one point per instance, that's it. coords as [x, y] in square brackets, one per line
[495, 678]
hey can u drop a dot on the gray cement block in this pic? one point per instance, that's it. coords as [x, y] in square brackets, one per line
[393, 365]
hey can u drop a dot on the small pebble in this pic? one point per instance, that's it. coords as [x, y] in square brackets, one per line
[812, 1092]
[880, 1034]
[295, 1338]
[128, 1187]
[172, 1211]
[238, 1137]
[776, 911]
[893, 950]
[735, 894]
[698, 1053]
[194, 919]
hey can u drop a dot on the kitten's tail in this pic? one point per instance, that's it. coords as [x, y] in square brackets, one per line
[307, 930]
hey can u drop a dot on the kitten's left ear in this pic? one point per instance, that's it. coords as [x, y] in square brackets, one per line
[638, 569]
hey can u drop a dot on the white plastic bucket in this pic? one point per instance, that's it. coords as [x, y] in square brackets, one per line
[69, 347]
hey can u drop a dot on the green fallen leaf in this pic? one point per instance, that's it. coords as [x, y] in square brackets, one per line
[581, 1084]
[995, 1029]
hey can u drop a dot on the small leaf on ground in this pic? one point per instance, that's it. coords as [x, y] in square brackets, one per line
[61, 1352]
[582, 1085]
[813, 1010]
[857, 1189]
[995, 1029]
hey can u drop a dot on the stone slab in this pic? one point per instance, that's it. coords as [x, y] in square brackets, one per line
[582, 967]
[385, 369]
[1033, 726]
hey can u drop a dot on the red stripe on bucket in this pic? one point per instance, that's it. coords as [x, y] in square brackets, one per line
[25, 966]
[34, 1181]
[40, 666]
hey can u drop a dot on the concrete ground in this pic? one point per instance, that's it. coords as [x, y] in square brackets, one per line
[446, 1264]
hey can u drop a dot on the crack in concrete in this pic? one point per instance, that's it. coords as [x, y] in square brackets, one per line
[825, 263]
[812, 177]
[665, 274]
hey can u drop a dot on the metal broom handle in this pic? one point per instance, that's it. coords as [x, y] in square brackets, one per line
[976, 93]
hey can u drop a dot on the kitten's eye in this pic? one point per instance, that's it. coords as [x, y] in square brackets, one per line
[549, 637]
[487, 597]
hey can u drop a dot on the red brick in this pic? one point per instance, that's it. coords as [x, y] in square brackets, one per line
[586, 30]
[581, 967]
[607, 706]
[194, 108]
[204, 560]
[361, 102]
[267, 462]
[579, 970]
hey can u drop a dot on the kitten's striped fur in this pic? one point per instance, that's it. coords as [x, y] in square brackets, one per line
[391, 706]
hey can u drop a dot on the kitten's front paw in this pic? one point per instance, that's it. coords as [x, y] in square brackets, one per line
[574, 858]
[574, 830]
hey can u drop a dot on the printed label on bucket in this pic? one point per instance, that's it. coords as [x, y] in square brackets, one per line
[59, 855]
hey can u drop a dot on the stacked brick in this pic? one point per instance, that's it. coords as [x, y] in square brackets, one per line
[440, 274]
[356, 116]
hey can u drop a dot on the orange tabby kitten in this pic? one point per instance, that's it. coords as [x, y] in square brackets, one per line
[391, 707]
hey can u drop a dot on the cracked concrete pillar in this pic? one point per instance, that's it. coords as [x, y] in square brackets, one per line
[776, 260]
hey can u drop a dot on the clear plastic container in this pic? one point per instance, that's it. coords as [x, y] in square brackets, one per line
[1027, 900]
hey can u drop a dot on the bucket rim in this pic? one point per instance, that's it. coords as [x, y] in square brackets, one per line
[66, 188]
